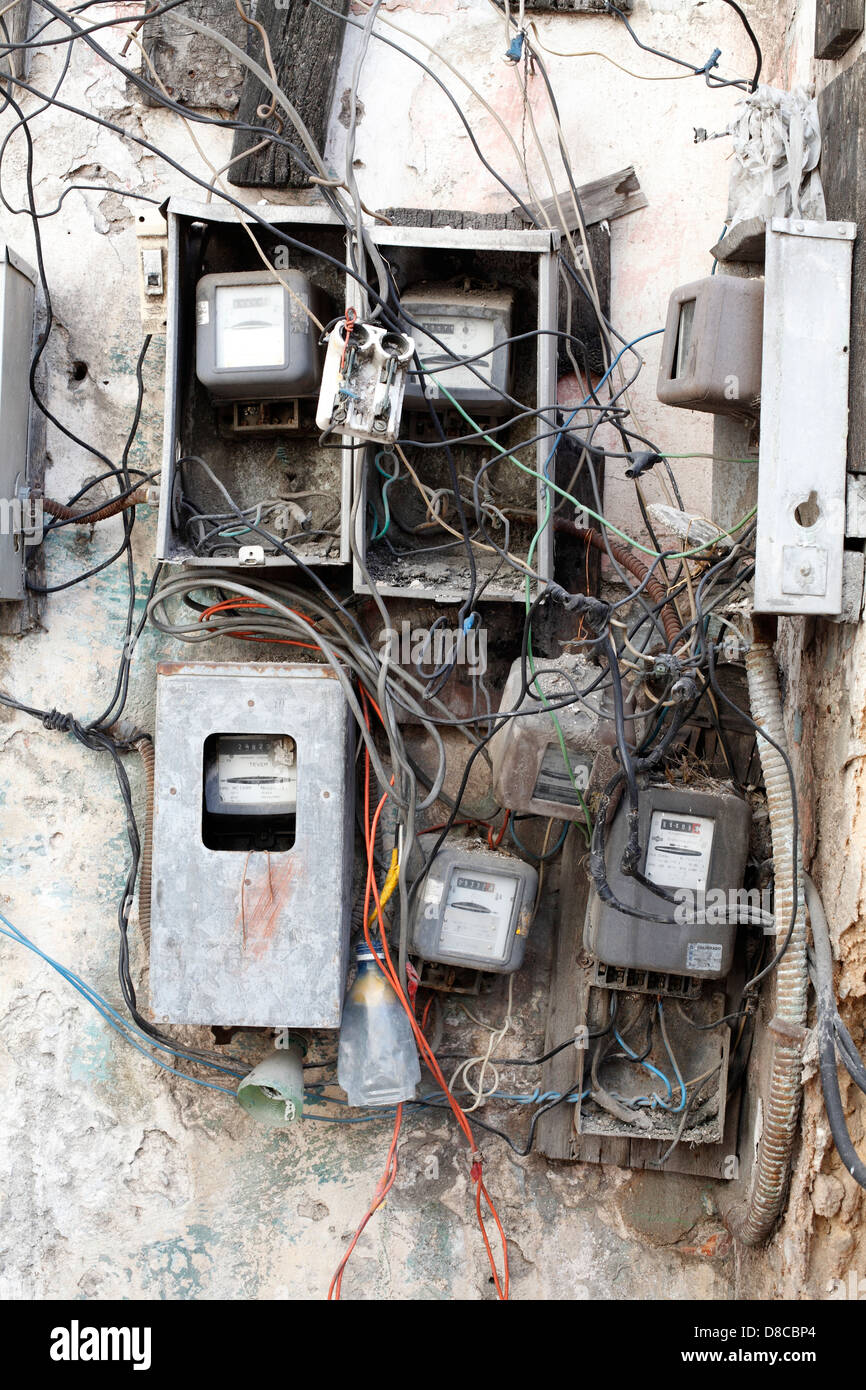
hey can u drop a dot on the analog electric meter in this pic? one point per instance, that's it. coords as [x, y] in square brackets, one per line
[255, 337]
[475, 909]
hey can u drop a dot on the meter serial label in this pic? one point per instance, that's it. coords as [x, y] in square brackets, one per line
[679, 850]
[703, 955]
[257, 771]
[554, 783]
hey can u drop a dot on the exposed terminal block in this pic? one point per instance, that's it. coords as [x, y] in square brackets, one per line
[252, 850]
[460, 324]
[363, 381]
[475, 909]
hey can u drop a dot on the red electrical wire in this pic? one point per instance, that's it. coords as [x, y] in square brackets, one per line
[387, 967]
[383, 1187]
[494, 843]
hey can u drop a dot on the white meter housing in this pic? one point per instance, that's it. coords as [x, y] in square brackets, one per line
[363, 381]
[469, 324]
[254, 338]
[475, 909]
[530, 772]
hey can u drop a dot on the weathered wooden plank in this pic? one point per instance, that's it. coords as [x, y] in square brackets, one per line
[601, 200]
[196, 70]
[842, 112]
[305, 45]
[837, 24]
[556, 1137]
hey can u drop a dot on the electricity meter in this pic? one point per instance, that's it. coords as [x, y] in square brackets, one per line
[469, 324]
[254, 339]
[695, 844]
[475, 909]
[250, 789]
[530, 772]
[713, 346]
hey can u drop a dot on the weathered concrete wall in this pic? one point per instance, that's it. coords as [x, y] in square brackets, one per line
[117, 1179]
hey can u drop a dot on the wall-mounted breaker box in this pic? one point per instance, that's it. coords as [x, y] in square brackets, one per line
[694, 842]
[252, 845]
[530, 772]
[243, 366]
[799, 554]
[466, 324]
[475, 909]
[711, 351]
[17, 291]
[470, 289]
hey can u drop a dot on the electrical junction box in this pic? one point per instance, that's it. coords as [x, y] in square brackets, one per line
[17, 297]
[240, 389]
[255, 339]
[469, 324]
[252, 845]
[693, 842]
[530, 773]
[363, 381]
[475, 908]
[712, 347]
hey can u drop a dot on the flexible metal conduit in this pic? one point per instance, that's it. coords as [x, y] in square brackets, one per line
[146, 751]
[781, 1102]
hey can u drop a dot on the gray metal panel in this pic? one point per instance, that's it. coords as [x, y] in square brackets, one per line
[168, 545]
[281, 961]
[804, 416]
[17, 282]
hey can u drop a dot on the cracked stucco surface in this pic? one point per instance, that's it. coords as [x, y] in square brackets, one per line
[117, 1180]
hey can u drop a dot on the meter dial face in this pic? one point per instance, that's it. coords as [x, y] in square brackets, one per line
[257, 771]
[478, 911]
[463, 336]
[250, 326]
[679, 850]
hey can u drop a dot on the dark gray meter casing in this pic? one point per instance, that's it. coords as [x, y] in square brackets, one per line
[693, 842]
[253, 339]
[475, 910]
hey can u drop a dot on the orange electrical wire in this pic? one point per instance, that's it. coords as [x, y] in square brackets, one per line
[230, 603]
[495, 843]
[383, 1187]
[387, 967]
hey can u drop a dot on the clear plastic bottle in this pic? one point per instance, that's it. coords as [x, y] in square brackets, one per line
[377, 1063]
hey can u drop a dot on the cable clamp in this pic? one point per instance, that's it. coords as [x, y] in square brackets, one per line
[514, 51]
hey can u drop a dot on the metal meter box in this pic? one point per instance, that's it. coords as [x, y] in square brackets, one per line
[252, 845]
[17, 292]
[254, 338]
[800, 544]
[693, 842]
[711, 353]
[240, 389]
[475, 909]
[472, 324]
[530, 772]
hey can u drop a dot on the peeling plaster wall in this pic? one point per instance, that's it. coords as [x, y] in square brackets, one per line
[117, 1180]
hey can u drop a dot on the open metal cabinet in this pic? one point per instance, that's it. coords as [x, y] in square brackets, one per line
[256, 455]
[416, 560]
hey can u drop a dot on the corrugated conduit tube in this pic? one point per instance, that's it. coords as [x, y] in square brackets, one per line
[781, 1100]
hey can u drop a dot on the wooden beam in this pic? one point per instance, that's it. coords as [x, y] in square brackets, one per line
[602, 200]
[837, 24]
[195, 70]
[305, 46]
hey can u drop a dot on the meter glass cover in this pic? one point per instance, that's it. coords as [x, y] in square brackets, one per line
[478, 911]
[463, 336]
[679, 850]
[250, 326]
[684, 337]
[257, 771]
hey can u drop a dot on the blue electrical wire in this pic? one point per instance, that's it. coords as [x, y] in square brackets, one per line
[114, 1020]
